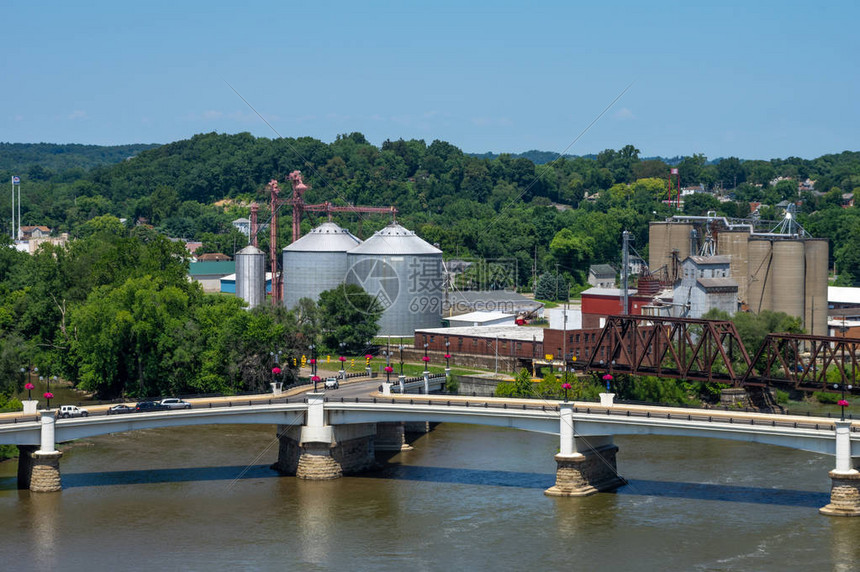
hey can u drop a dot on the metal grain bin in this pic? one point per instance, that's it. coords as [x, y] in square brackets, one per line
[316, 262]
[405, 274]
[251, 275]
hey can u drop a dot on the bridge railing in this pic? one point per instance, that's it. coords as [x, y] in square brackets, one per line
[771, 421]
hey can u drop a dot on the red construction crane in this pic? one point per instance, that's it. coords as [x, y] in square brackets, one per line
[299, 206]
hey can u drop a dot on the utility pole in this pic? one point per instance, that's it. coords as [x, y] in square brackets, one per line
[625, 270]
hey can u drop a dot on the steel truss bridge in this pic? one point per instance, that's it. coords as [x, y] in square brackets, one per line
[712, 351]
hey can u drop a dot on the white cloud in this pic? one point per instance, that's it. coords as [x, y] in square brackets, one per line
[624, 113]
[77, 114]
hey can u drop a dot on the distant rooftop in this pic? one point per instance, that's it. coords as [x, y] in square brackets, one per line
[517, 333]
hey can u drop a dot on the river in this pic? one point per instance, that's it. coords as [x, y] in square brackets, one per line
[466, 498]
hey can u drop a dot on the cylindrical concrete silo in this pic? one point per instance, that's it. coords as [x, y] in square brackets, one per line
[316, 262]
[735, 243]
[251, 275]
[815, 318]
[663, 239]
[789, 273]
[760, 275]
[405, 274]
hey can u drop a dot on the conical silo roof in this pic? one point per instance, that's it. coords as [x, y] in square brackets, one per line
[327, 237]
[395, 240]
[250, 249]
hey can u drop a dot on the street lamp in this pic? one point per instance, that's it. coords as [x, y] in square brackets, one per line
[401, 356]
[447, 354]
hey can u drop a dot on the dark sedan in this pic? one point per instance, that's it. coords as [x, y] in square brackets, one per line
[121, 408]
[146, 406]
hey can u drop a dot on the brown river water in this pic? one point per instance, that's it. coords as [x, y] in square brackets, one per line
[466, 498]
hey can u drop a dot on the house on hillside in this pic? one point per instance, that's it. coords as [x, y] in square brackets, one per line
[601, 275]
[28, 232]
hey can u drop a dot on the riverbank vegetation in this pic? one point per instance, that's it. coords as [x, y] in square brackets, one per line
[115, 314]
[113, 311]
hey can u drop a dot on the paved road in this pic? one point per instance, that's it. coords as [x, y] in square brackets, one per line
[358, 387]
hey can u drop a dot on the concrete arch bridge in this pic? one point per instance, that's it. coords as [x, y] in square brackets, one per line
[323, 439]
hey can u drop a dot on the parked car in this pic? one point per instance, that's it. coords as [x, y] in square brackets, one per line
[175, 403]
[73, 411]
[331, 383]
[147, 406]
[121, 408]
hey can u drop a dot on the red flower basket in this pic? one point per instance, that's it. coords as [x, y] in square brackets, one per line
[48, 395]
[313, 361]
[607, 377]
[388, 369]
[566, 386]
[342, 359]
[28, 386]
[276, 370]
[426, 359]
[447, 356]
[368, 357]
[843, 403]
[316, 378]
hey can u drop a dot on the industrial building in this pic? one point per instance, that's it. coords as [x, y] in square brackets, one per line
[505, 341]
[482, 319]
[705, 285]
[782, 270]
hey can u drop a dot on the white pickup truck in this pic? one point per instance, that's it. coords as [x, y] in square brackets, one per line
[331, 383]
[73, 411]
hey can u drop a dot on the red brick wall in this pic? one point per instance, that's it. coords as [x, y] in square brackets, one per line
[478, 345]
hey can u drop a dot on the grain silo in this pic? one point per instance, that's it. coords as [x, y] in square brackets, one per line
[316, 262]
[405, 274]
[665, 239]
[760, 274]
[735, 244]
[789, 274]
[251, 275]
[815, 318]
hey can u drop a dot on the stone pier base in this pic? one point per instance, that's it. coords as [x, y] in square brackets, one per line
[317, 464]
[585, 473]
[350, 450]
[44, 472]
[734, 397]
[391, 437]
[844, 494]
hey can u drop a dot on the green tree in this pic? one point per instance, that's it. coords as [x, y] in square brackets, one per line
[349, 315]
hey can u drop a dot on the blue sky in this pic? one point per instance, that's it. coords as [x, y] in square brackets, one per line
[744, 78]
